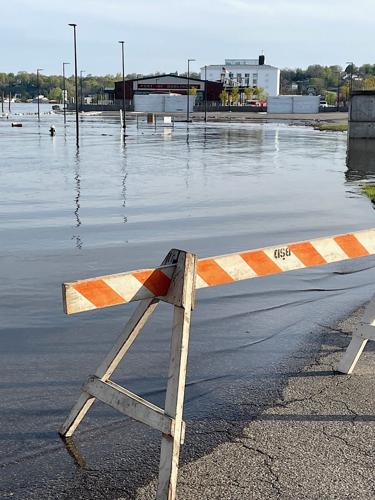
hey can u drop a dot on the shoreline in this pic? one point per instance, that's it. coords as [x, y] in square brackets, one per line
[314, 441]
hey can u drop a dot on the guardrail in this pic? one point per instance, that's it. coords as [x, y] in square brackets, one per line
[175, 282]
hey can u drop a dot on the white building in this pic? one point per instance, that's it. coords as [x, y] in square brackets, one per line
[245, 73]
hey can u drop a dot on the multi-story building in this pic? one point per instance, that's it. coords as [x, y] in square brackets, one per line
[245, 73]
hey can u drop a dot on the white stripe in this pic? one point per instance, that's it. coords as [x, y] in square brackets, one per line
[367, 239]
[125, 286]
[329, 249]
[236, 267]
[200, 283]
[287, 262]
[77, 302]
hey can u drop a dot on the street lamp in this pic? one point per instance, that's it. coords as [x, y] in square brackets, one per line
[123, 84]
[64, 91]
[80, 83]
[74, 26]
[38, 86]
[188, 89]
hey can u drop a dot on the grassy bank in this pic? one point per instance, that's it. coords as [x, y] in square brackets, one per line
[332, 127]
[369, 191]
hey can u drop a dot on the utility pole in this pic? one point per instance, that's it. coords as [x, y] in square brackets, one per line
[64, 92]
[74, 26]
[123, 86]
[38, 86]
[188, 90]
[2, 101]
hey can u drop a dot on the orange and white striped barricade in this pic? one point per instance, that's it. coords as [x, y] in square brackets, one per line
[175, 282]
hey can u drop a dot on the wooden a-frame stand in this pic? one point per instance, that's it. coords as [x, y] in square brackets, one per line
[362, 333]
[181, 295]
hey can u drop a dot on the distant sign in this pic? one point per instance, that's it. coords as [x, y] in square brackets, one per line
[173, 86]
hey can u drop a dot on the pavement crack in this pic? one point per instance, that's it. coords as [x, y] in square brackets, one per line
[268, 462]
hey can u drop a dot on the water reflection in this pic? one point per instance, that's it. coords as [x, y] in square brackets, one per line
[77, 180]
[360, 159]
[124, 176]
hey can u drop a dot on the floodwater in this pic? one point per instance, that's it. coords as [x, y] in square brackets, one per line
[120, 205]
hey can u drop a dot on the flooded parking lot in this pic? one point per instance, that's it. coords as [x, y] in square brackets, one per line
[119, 205]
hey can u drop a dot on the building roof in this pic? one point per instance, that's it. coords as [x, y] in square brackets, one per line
[268, 66]
[173, 75]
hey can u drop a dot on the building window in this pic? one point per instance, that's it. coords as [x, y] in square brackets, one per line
[247, 75]
[231, 75]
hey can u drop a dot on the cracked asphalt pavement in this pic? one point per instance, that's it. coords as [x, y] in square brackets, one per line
[315, 441]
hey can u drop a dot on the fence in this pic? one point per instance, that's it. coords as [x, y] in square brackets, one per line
[175, 282]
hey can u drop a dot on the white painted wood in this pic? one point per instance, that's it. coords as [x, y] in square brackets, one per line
[352, 355]
[123, 343]
[130, 404]
[110, 363]
[76, 414]
[174, 401]
[363, 332]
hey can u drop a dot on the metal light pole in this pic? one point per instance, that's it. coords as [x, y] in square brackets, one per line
[81, 86]
[2, 101]
[123, 85]
[338, 91]
[205, 93]
[188, 89]
[64, 92]
[38, 85]
[74, 26]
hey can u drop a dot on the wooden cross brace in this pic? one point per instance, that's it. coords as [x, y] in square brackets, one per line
[362, 333]
[181, 294]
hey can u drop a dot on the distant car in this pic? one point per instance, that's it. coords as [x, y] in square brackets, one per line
[324, 104]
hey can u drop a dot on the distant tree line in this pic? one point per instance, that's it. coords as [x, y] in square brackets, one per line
[315, 79]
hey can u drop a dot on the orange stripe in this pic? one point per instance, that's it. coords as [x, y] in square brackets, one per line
[99, 293]
[260, 263]
[212, 273]
[307, 254]
[155, 280]
[351, 246]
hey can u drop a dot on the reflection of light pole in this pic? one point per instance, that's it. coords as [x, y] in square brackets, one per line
[188, 89]
[38, 86]
[123, 85]
[74, 26]
[351, 76]
[205, 93]
[80, 82]
[64, 92]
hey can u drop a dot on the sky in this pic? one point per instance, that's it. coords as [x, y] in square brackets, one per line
[160, 35]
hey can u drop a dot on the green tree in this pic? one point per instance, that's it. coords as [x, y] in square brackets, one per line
[331, 97]
[260, 93]
[235, 95]
[223, 97]
[249, 93]
[55, 94]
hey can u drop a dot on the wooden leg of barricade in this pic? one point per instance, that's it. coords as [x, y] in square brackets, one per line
[110, 363]
[174, 401]
[352, 354]
[181, 294]
[105, 370]
[364, 332]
